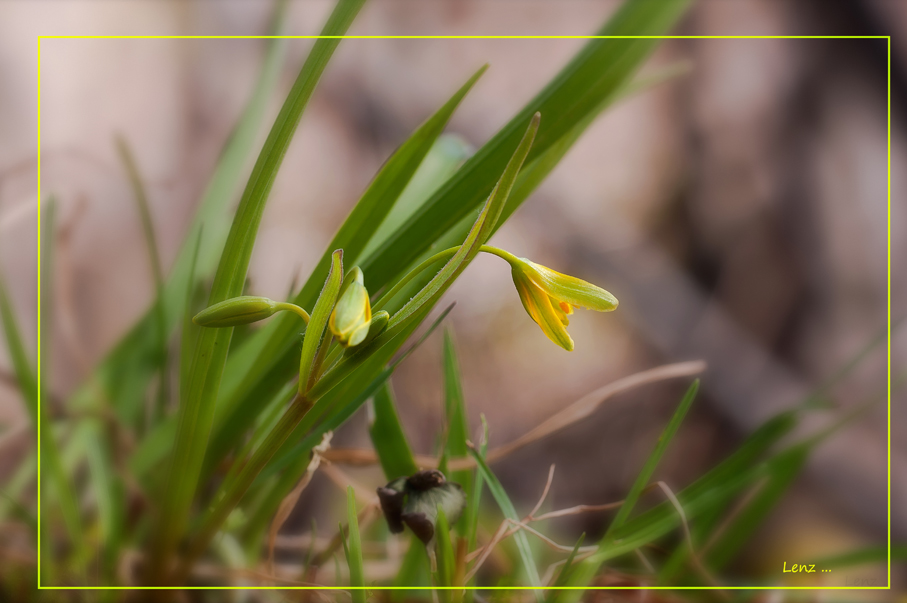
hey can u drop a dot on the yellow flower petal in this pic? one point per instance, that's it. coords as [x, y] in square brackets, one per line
[565, 288]
[538, 306]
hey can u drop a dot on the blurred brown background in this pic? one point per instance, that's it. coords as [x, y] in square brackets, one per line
[738, 213]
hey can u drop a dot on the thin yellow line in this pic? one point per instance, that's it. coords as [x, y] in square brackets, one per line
[445, 37]
[889, 311]
[38, 371]
[429, 37]
[810, 588]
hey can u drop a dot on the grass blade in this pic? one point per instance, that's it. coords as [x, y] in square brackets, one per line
[445, 556]
[587, 570]
[568, 563]
[781, 472]
[522, 542]
[388, 436]
[598, 72]
[457, 426]
[648, 469]
[126, 370]
[354, 550]
[157, 273]
[197, 409]
[61, 492]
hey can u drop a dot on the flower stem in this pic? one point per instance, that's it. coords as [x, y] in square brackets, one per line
[294, 309]
[441, 255]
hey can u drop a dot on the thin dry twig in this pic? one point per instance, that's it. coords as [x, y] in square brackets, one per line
[289, 502]
[735, 511]
[577, 411]
[541, 501]
[697, 562]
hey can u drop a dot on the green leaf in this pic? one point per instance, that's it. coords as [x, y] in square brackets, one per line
[596, 74]
[28, 385]
[354, 550]
[645, 475]
[472, 507]
[315, 330]
[781, 472]
[522, 542]
[196, 411]
[705, 496]
[561, 580]
[457, 425]
[866, 556]
[157, 272]
[126, 370]
[60, 491]
[387, 435]
[414, 571]
[445, 555]
[586, 571]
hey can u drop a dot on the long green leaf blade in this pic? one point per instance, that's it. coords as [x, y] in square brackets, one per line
[197, 409]
[507, 508]
[354, 550]
[457, 426]
[388, 437]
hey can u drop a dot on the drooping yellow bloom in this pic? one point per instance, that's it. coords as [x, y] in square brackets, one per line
[549, 298]
[352, 314]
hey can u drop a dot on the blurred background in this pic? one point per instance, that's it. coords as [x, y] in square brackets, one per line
[739, 213]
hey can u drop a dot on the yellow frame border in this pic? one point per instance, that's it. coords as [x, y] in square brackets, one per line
[489, 37]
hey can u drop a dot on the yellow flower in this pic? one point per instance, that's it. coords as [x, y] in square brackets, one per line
[549, 297]
[352, 314]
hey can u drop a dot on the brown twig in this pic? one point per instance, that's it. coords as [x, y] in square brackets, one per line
[577, 411]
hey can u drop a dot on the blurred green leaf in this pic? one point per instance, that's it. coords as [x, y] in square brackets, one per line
[125, 372]
[561, 580]
[387, 435]
[457, 426]
[445, 555]
[157, 272]
[645, 475]
[585, 572]
[354, 550]
[507, 508]
[595, 74]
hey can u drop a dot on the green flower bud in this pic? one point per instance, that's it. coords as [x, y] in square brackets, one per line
[414, 501]
[375, 327]
[236, 311]
[352, 315]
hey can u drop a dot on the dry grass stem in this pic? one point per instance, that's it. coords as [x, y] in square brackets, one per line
[289, 502]
[577, 411]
